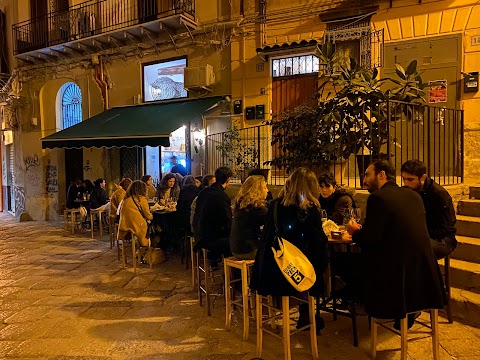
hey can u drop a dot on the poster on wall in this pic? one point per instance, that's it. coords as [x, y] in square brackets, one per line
[164, 80]
[437, 92]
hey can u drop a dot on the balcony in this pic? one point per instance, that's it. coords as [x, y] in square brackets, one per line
[98, 25]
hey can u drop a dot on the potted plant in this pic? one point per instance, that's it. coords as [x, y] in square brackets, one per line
[238, 153]
[351, 117]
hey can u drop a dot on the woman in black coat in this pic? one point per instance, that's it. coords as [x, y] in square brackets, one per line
[300, 223]
[98, 196]
[188, 193]
[249, 216]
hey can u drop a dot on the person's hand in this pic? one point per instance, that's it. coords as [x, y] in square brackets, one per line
[352, 226]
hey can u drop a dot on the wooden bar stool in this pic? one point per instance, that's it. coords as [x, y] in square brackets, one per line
[98, 214]
[286, 333]
[72, 217]
[112, 227]
[129, 238]
[404, 334]
[446, 274]
[245, 267]
[193, 259]
[209, 276]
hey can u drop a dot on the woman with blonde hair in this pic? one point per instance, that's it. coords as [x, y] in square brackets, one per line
[135, 213]
[298, 221]
[249, 215]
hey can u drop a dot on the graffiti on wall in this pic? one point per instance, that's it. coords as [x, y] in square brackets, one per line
[31, 161]
[34, 180]
[19, 195]
[51, 177]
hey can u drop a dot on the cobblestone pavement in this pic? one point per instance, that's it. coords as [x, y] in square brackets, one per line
[67, 297]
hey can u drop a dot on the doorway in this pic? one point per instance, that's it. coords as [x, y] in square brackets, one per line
[73, 166]
[147, 10]
[39, 26]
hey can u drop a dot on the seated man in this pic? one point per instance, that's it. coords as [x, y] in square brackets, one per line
[400, 271]
[213, 216]
[438, 204]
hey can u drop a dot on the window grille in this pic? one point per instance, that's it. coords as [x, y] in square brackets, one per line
[295, 65]
[71, 105]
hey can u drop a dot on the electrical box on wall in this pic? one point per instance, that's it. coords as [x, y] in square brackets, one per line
[260, 112]
[237, 107]
[250, 113]
[470, 82]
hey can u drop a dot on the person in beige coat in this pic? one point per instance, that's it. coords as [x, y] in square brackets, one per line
[118, 195]
[135, 213]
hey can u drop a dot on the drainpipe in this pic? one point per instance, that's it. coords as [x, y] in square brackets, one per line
[99, 77]
[243, 75]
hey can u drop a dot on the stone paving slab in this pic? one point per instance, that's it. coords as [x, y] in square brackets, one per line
[67, 297]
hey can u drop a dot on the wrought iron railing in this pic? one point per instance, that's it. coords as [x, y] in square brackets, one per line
[91, 18]
[431, 134]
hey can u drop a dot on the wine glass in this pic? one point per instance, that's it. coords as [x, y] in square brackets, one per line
[323, 215]
[356, 214]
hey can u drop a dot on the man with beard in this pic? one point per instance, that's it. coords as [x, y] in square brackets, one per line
[401, 275]
[438, 205]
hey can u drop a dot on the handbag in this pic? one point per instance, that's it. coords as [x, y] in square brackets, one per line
[292, 262]
[155, 256]
[150, 226]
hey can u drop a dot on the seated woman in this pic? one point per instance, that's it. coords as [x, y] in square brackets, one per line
[168, 189]
[135, 213]
[151, 190]
[298, 221]
[118, 196]
[250, 213]
[334, 200]
[98, 197]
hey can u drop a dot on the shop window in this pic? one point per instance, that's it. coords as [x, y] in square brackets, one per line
[295, 65]
[71, 104]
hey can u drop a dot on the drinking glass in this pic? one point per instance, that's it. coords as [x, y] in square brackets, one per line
[323, 215]
[356, 214]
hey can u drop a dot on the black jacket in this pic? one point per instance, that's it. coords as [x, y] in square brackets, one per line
[400, 271]
[245, 233]
[440, 213]
[302, 229]
[213, 216]
[184, 204]
[98, 197]
[336, 204]
[73, 193]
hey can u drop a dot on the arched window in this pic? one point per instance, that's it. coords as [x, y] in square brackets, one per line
[71, 104]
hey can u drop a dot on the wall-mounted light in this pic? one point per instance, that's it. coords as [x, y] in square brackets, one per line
[199, 136]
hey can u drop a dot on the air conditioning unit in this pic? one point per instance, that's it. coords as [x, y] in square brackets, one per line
[201, 77]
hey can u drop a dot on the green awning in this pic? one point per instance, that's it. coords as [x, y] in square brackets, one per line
[139, 125]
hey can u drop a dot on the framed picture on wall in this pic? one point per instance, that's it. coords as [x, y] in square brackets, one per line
[163, 80]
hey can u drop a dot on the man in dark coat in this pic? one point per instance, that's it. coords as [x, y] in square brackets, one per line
[213, 216]
[401, 273]
[177, 168]
[438, 204]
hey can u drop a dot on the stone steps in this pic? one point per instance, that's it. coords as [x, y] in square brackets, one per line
[469, 207]
[468, 226]
[464, 275]
[468, 249]
[465, 306]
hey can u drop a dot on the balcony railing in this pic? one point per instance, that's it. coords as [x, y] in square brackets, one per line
[92, 18]
[431, 134]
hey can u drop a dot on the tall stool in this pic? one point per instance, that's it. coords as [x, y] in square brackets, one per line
[446, 273]
[98, 214]
[70, 218]
[286, 333]
[404, 334]
[245, 267]
[209, 276]
[136, 256]
[193, 259]
[112, 227]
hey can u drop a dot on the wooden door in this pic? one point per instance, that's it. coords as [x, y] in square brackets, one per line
[39, 25]
[287, 93]
[73, 166]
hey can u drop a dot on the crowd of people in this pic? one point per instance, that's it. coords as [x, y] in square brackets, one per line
[405, 229]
